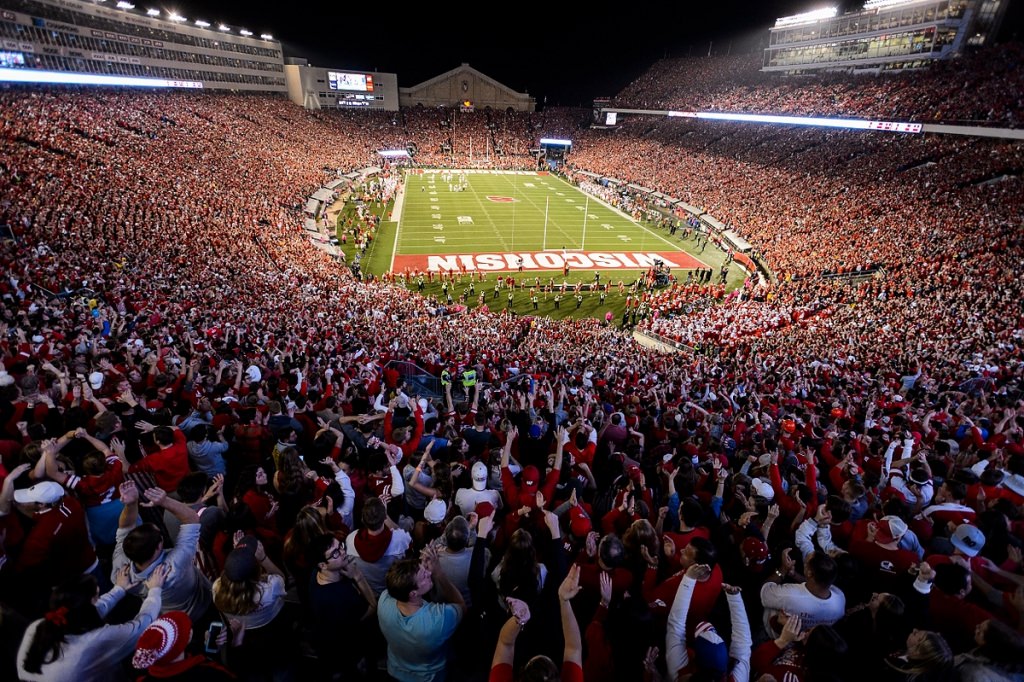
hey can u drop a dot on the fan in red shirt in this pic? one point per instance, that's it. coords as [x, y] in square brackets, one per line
[705, 594]
[169, 463]
[55, 545]
[880, 552]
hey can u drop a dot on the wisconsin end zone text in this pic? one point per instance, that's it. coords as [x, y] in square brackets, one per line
[544, 260]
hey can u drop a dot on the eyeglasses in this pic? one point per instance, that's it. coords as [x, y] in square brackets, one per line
[335, 554]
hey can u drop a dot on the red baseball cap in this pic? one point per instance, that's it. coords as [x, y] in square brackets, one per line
[484, 509]
[755, 551]
[579, 522]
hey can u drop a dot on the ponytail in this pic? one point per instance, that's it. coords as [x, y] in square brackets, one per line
[72, 613]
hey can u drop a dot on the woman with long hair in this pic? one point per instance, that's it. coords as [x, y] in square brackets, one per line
[294, 485]
[309, 525]
[102, 471]
[998, 656]
[927, 658]
[430, 479]
[254, 490]
[641, 542]
[519, 574]
[251, 590]
[877, 627]
[807, 656]
[73, 643]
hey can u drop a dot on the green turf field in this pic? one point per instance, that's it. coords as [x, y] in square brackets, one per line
[500, 217]
[515, 213]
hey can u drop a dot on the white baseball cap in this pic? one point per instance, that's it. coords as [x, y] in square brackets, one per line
[762, 488]
[479, 473]
[435, 511]
[46, 492]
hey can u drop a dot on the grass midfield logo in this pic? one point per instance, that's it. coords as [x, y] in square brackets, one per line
[501, 200]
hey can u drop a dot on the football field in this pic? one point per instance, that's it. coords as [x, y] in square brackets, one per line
[499, 221]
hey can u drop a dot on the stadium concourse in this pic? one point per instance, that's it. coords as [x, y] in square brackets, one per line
[202, 426]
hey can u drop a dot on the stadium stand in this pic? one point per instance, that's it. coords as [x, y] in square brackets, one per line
[982, 88]
[203, 427]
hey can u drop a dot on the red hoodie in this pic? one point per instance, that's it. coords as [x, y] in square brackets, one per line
[168, 465]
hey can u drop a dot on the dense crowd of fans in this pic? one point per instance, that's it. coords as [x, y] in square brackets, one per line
[981, 88]
[211, 468]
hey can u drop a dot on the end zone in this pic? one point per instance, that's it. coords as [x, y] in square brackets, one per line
[540, 261]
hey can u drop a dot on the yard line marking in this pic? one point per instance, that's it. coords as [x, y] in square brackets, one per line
[552, 221]
[675, 247]
[494, 225]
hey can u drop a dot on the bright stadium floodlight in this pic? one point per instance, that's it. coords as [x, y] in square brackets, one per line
[244, 32]
[266, 36]
[879, 4]
[65, 78]
[153, 12]
[807, 17]
[555, 142]
[202, 24]
[393, 153]
[125, 5]
[224, 28]
[174, 16]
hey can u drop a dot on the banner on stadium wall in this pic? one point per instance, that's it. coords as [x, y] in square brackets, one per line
[539, 261]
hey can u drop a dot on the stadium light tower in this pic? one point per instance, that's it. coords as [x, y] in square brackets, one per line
[153, 12]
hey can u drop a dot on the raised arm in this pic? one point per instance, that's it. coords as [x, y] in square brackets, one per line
[446, 591]
[449, 403]
[155, 497]
[506, 452]
[570, 587]
[7, 491]
[505, 651]
[741, 643]
[130, 500]
[676, 656]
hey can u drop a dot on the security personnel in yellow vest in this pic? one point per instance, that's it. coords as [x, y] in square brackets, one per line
[469, 378]
[446, 378]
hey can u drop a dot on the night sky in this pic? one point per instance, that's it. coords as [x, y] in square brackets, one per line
[567, 52]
